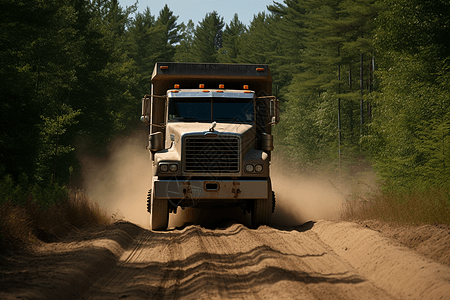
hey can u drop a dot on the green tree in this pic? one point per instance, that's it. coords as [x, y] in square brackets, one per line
[147, 43]
[21, 25]
[409, 136]
[231, 41]
[255, 41]
[66, 75]
[106, 76]
[172, 29]
[207, 38]
[183, 51]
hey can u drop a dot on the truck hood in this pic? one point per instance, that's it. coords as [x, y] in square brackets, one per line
[175, 132]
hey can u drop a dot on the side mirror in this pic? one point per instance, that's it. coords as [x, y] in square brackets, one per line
[267, 142]
[155, 141]
[146, 109]
[275, 110]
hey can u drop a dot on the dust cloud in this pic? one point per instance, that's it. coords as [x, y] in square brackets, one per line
[119, 181]
[303, 198]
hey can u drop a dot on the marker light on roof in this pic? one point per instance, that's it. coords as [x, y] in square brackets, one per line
[245, 87]
[164, 67]
[221, 86]
[176, 86]
[260, 69]
[201, 86]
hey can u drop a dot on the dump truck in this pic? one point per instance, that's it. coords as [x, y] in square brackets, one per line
[210, 139]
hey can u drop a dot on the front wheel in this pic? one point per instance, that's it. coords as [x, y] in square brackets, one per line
[262, 211]
[159, 214]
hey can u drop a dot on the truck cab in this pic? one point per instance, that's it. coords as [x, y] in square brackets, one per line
[210, 139]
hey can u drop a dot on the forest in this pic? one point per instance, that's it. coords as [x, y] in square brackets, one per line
[358, 80]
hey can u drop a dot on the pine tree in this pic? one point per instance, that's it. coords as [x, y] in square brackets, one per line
[256, 41]
[208, 39]
[147, 44]
[172, 29]
[183, 51]
[231, 41]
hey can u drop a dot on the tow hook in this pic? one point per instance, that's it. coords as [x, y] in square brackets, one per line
[236, 190]
[187, 192]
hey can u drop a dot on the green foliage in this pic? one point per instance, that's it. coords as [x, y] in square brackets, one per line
[10, 191]
[256, 41]
[21, 193]
[231, 41]
[202, 43]
[325, 47]
[307, 130]
[47, 197]
[183, 50]
[171, 32]
[409, 136]
[208, 38]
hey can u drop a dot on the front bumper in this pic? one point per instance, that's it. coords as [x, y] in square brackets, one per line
[210, 189]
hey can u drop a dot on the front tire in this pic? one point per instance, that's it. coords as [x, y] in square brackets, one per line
[159, 214]
[262, 211]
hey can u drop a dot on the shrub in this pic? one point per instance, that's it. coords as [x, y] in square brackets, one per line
[415, 206]
[44, 213]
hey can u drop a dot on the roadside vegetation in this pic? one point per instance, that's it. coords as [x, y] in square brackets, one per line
[413, 207]
[28, 214]
[359, 81]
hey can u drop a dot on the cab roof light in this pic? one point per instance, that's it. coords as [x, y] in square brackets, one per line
[219, 91]
[245, 87]
[205, 91]
[176, 86]
[164, 67]
[175, 91]
[260, 69]
[221, 86]
[201, 86]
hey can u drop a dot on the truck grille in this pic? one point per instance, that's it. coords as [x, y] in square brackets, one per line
[213, 155]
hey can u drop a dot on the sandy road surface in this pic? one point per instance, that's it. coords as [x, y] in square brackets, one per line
[318, 260]
[236, 262]
[239, 263]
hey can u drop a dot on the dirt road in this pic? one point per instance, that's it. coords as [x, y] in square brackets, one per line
[234, 262]
[318, 260]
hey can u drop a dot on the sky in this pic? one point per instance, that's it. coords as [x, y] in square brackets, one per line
[197, 9]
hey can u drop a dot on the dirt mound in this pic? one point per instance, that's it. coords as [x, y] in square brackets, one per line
[432, 241]
[64, 269]
[400, 271]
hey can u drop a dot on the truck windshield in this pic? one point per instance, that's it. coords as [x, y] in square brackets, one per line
[225, 110]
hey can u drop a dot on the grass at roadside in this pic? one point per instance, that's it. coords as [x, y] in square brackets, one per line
[414, 207]
[28, 220]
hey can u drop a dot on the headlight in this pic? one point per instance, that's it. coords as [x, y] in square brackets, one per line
[164, 167]
[258, 168]
[249, 168]
[173, 168]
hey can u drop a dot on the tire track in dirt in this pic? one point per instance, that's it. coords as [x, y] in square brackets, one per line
[233, 263]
